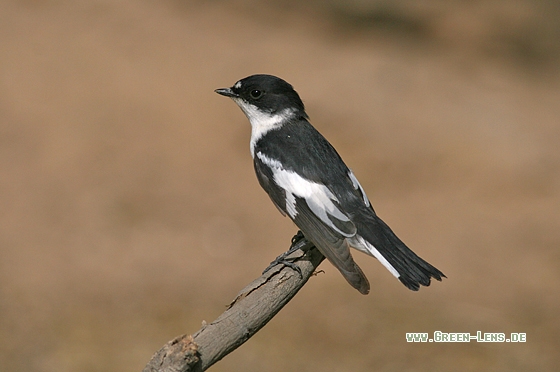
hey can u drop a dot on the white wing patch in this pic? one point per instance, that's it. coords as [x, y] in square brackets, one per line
[318, 197]
[364, 246]
[321, 202]
[291, 204]
[262, 122]
[357, 186]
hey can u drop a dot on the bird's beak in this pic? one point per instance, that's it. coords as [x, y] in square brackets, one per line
[227, 92]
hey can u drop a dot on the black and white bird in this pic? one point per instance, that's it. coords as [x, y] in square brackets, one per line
[308, 181]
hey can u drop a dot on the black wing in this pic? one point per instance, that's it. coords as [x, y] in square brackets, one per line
[330, 241]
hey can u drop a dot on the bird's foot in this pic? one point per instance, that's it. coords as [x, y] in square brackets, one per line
[282, 260]
[298, 242]
[295, 239]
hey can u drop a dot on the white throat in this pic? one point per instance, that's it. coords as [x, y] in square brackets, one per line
[262, 122]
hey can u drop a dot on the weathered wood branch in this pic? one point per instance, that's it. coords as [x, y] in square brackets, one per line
[253, 307]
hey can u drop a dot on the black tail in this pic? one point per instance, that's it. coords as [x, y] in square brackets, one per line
[413, 270]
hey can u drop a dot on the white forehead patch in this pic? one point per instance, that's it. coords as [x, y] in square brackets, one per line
[237, 85]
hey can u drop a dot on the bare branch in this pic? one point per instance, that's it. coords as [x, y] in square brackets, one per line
[253, 307]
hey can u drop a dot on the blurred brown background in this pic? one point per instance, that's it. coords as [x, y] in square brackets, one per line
[130, 212]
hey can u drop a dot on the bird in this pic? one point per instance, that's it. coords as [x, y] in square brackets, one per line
[308, 181]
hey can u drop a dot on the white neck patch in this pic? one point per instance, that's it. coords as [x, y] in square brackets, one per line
[262, 122]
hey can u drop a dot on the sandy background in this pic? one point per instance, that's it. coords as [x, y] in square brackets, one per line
[129, 211]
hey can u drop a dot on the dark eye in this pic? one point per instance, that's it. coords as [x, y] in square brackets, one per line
[256, 94]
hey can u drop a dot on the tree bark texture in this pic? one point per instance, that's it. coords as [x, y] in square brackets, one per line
[253, 307]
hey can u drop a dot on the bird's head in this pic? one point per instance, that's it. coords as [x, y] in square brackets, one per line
[265, 95]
